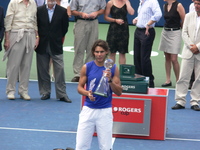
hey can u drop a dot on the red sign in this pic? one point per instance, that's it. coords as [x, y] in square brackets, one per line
[131, 111]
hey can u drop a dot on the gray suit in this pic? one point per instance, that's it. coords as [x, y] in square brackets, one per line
[190, 61]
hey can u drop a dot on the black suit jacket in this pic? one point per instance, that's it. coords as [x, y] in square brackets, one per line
[52, 32]
[2, 29]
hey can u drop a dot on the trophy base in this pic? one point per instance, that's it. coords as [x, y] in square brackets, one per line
[100, 94]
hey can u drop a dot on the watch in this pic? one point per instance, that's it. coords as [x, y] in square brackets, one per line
[148, 25]
[110, 81]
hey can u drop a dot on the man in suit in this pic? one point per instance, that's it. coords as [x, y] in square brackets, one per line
[2, 29]
[52, 26]
[190, 61]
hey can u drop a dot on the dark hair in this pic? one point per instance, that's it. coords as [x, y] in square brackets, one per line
[102, 44]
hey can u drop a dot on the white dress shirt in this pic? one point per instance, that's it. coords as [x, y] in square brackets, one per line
[148, 10]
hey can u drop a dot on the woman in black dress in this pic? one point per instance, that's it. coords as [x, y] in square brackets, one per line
[118, 32]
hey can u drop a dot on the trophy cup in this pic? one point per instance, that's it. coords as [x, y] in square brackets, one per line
[103, 87]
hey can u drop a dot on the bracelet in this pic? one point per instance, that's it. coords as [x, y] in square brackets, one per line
[148, 25]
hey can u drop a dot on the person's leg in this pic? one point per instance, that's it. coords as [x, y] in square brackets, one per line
[13, 65]
[24, 73]
[183, 82]
[104, 128]
[176, 66]
[44, 81]
[168, 67]
[195, 92]
[137, 52]
[92, 36]
[80, 43]
[112, 56]
[146, 48]
[85, 130]
[60, 85]
[122, 58]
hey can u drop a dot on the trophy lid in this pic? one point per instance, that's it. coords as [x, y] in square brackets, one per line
[108, 63]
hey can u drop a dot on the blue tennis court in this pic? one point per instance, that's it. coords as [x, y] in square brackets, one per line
[49, 124]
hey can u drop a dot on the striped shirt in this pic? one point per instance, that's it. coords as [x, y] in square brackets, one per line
[148, 10]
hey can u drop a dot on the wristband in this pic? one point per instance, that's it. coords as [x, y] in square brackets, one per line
[110, 81]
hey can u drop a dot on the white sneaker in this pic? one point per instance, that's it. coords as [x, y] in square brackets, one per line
[25, 96]
[11, 96]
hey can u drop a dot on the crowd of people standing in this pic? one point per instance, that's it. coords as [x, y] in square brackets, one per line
[86, 33]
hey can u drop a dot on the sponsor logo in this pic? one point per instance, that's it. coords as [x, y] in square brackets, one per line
[126, 111]
[126, 87]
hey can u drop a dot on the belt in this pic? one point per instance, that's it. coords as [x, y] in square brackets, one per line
[144, 28]
[89, 19]
[171, 29]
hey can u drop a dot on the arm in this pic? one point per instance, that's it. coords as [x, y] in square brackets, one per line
[130, 9]
[81, 85]
[115, 84]
[187, 34]
[37, 39]
[157, 13]
[1, 25]
[107, 12]
[6, 40]
[181, 12]
[96, 13]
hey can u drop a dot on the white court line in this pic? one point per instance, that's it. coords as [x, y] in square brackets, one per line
[38, 130]
[179, 139]
[57, 131]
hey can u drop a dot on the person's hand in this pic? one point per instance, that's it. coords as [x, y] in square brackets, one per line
[194, 49]
[108, 74]
[93, 15]
[119, 21]
[126, 1]
[147, 30]
[90, 96]
[84, 15]
[134, 21]
[6, 44]
[36, 42]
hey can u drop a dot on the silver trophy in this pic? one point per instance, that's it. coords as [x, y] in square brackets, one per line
[103, 88]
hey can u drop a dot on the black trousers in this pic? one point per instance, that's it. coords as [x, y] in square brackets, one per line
[142, 53]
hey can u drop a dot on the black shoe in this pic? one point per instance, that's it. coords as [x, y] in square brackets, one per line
[166, 84]
[195, 107]
[65, 99]
[178, 106]
[69, 148]
[45, 96]
[75, 79]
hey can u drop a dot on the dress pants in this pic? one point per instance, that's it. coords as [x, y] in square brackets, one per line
[85, 34]
[187, 67]
[142, 53]
[44, 79]
[19, 63]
